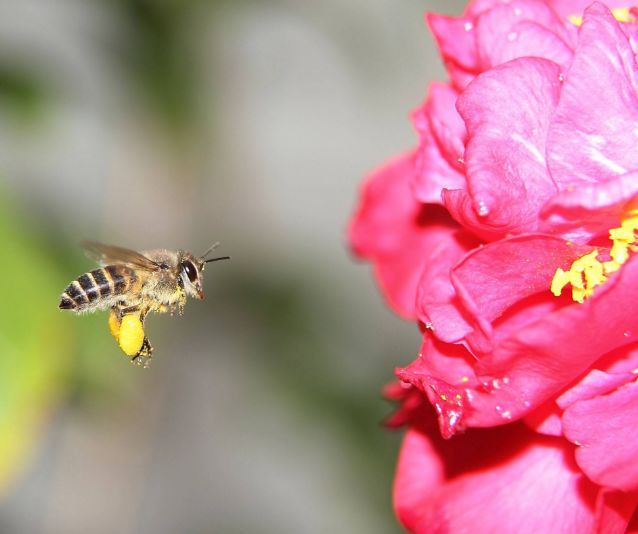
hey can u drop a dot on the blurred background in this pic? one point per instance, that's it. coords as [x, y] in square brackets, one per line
[176, 123]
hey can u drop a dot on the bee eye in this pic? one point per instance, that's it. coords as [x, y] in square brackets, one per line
[190, 270]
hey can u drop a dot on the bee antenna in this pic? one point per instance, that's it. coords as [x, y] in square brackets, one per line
[210, 249]
[217, 259]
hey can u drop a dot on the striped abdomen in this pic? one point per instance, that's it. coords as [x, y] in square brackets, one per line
[97, 288]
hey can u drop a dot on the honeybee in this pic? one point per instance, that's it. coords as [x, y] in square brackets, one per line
[132, 284]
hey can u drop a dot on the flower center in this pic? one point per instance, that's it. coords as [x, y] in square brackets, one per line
[588, 271]
[621, 14]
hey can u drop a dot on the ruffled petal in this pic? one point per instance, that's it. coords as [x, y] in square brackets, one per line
[397, 233]
[522, 28]
[507, 112]
[437, 304]
[543, 357]
[606, 430]
[498, 480]
[455, 39]
[613, 511]
[594, 134]
[531, 39]
[581, 213]
[594, 384]
[533, 362]
[446, 124]
[433, 172]
[491, 279]
[546, 419]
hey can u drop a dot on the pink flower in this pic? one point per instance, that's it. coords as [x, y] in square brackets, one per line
[509, 235]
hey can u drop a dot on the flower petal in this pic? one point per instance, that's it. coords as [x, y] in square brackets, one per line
[594, 384]
[446, 123]
[491, 279]
[595, 130]
[606, 430]
[580, 213]
[385, 226]
[433, 172]
[529, 38]
[545, 356]
[455, 38]
[397, 233]
[546, 419]
[532, 362]
[437, 304]
[613, 511]
[521, 28]
[498, 480]
[507, 112]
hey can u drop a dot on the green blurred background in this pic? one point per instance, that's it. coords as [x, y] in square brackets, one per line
[176, 123]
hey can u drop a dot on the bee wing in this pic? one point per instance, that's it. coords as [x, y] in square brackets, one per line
[109, 254]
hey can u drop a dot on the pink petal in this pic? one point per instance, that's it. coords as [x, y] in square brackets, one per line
[445, 375]
[522, 28]
[459, 77]
[446, 123]
[507, 112]
[444, 369]
[419, 472]
[580, 213]
[595, 130]
[546, 419]
[461, 207]
[531, 363]
[437, 304]
[497, 480]
[397, 233]
[455, 38]
[542, 358]
[387, 229]
[531, 39]
[606, 430]
[613, 511]
[491, 279]
[595, 384]
[622, 360]
[432, 171]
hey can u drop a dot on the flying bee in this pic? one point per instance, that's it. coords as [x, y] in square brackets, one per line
[132, 284]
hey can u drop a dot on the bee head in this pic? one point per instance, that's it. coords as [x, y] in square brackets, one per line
[191, 269]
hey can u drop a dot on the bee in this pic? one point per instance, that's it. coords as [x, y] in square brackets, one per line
[133, 284]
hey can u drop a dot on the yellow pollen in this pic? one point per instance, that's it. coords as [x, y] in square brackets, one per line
[621, 14]
[587, 272]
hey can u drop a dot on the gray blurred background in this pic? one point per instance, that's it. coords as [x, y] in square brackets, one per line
[176, 123]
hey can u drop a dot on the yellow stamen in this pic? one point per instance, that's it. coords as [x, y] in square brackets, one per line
[560, 280]
[619, 252]
[587, 272]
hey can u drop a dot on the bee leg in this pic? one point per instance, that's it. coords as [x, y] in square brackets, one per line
[143, 357]
[181, 303]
